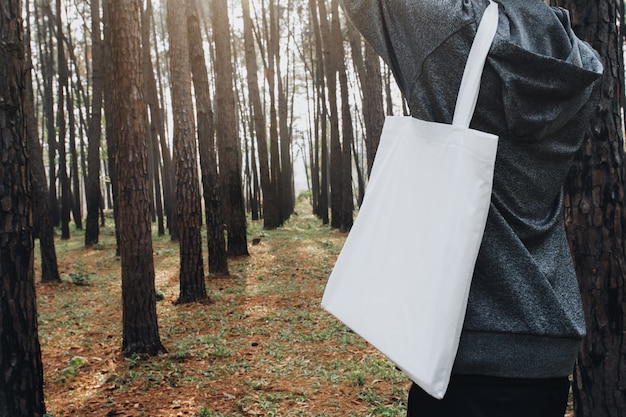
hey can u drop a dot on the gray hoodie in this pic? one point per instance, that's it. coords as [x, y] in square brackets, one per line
[524, 317]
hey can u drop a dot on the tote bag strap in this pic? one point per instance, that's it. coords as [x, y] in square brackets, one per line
[470, 84]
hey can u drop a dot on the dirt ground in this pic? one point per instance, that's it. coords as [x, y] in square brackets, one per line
[261, 347]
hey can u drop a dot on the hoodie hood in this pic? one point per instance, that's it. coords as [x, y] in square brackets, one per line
[544, 84]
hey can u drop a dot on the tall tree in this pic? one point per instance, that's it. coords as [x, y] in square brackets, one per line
[367, 67]
[43, 228]
[285, 183]
[94, 195]
[331, 59]
[109, 113]
[155, 125]
[596, 222]
[227, 140]
[63, 88]
[44, 36]
[347, 204]
[271, 215]
[140, 328]
[188, 205]
[216, 242]
[271, 41]
[320, 82]
[21, 384]
[157, 122]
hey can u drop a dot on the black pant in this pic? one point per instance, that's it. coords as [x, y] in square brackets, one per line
[485, 396]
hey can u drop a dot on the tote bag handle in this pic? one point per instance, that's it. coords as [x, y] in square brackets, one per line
[470, 83]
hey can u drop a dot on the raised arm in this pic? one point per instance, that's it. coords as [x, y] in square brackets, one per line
[404, 32]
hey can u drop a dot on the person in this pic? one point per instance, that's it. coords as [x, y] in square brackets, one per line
[524, 320]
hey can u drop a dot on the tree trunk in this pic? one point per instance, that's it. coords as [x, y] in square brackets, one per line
[109, 112]
[286, 170]
[44, 34]
[140, 328]
[330, 69]
[21, 384]
[156, 127]
[43, 227]
[368, 71]
[152, 97]
[227, 140]
[62, 127]
[216, 242]
[94, 195]
[595, 220]
[322, 165]
[347, 201]
[274, 151]
[271, 216]
[74, 180]
[188, 206]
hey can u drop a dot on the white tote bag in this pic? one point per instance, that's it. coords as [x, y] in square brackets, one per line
[402, 278]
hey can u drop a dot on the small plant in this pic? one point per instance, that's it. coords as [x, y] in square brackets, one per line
[79, 278]
[133, 360]
[206, 412]
[75, 364]
[357, 378]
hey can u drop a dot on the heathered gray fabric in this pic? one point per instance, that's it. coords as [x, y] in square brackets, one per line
[524, 316]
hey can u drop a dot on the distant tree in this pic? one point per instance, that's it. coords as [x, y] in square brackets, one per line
[271, 215]
[94, 195]
[21, 384]
[227, 139]
[321, 162]
[216, 242]
[61, 125]
[188, 205]
[157, 123]
[279, 50]
[43, 228]
[596, 222]
[331, 58]
[140, 329]
[45, 22]
[347, 132]
[367, 65]
[109, 106]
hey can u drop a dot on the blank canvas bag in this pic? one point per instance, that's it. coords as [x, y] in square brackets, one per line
[403, 276]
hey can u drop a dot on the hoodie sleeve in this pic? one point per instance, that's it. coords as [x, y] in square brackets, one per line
[405, 32]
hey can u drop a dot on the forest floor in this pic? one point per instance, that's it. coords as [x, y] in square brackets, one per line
[262, 347]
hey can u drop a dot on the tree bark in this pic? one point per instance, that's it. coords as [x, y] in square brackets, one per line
[227, 140]
[216, 242]
[21, 383]
[109, 112]
[94, 195]
[596, 220]
[347, 202]
[285, 182]
[188, 206]
[62, 126]
[271, 216]
[322, 165]
[152, 97]
[140, 328]
[43, 227]
[330, 70]
[74, 177]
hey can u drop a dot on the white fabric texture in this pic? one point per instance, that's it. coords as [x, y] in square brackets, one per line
[403, 275]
